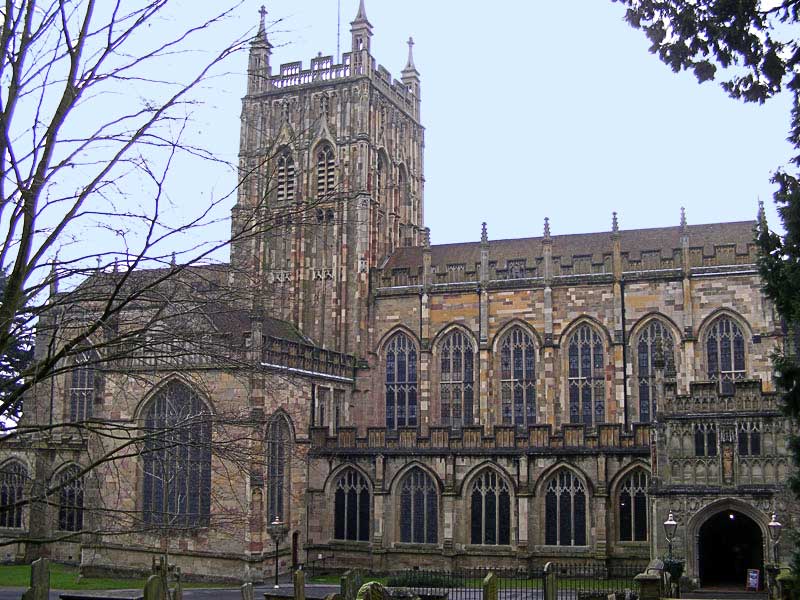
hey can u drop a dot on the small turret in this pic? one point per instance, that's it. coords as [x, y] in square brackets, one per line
[361, 31]
[410, 77]
[259, 70]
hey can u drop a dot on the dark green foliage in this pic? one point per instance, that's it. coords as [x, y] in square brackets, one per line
[14, 359]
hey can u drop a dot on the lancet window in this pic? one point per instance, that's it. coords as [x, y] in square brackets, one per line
[326, 171]
[82, 386]
[13, 476]
[70, 501]
[286, 178]
[278, 477]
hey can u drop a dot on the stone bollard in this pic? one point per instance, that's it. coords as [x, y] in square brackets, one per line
[490, 587]
[40, 581]
[247, 591]
[299, 585]
[154, 588]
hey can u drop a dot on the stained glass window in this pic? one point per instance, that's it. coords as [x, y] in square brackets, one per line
[401, 382]
[70, 501]
[633, 507]
[285, 178]
[13, 476]
[652, 335]
[326, 171]
[278, 440]
[351, 507]
[177, 458]
[419, 508]
[586, 377]
[456, 379]
[725, 352]
[565, 510]
[518, 377]
[490, 507]
[82, 386]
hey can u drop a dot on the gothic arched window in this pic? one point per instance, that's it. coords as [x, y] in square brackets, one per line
[326, 171]
[586, 377]
[401, 382]
[278, 440]
[12, 485]
[402, 186]
[725, 351]
[285, 177]
[518, 377]
[351, 507]
[456, 379]
[490, 507]
[419, 508]
[655, 333]
[633, 507]
[82, 386]
[70, 500]
[177, 458]
[381, 178]
[565, 510]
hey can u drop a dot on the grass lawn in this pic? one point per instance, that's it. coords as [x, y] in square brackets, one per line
[63, 577]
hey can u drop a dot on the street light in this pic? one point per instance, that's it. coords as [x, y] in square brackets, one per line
[276, 531]
[670, 527]
[775, 533]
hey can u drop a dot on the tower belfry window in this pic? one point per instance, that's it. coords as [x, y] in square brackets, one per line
[326, 174]
[285, 178]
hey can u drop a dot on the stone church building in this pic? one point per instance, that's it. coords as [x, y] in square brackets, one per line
[492, 402]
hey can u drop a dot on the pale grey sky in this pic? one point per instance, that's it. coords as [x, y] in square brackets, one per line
[556, 109]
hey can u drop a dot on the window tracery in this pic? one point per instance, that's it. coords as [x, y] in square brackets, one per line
[70, 502]
[401, 382]
[633, 507]
[419, 508]
[13, 476]
[490, 508]
[82, 386]
[351, 507]
[655, 333]
[586, 377]
[177, 458]
[326, 171]
[457, 380]
[285, 178]
[518, 377]
[565, 510]
[278, 440]
[725, 351]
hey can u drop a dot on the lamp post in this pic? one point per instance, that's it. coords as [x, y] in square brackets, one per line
[277, 529]
[670, 527]
[775, 534]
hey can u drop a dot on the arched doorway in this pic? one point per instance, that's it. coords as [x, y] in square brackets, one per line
[729, 543]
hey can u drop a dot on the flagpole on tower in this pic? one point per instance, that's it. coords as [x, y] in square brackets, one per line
[338, 30]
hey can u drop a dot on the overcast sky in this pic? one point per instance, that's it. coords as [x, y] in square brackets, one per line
[537, 109]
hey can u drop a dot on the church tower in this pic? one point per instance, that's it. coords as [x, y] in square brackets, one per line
[331, 171]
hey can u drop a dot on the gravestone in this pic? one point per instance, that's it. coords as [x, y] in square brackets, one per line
[154, 589]
[40, 581]
[372, 590]
[490, 587]
[350, 584]
[247, 591]
[299, 585]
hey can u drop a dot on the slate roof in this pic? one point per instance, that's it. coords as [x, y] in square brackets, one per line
[667, 240]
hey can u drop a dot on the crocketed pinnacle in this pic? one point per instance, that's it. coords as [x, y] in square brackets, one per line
[547, 228]
[484, 233]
